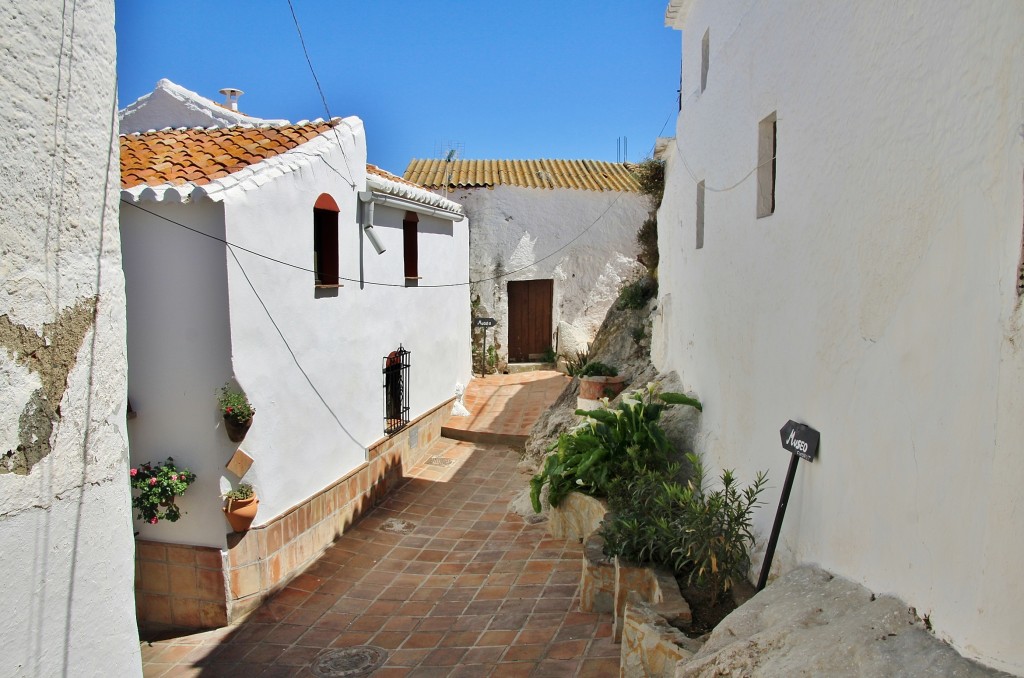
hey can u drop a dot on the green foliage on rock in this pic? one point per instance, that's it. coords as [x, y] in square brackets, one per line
[615, 444]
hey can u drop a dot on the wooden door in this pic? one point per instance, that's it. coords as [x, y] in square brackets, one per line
[529, 319]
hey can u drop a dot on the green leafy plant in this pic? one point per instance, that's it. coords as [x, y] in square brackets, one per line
[158, 485]
[598, 369]
[615, 444]
[700, 532]
[647, 243]
[234, 405]
[717, 527]
[549, 355]
[650, 174]
[574, 363]
[635, 294]
[638, 333]
[243, 491]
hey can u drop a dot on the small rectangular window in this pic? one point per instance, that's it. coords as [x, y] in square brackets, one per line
[705, 59]
[325, 247]
[767, 150]
[700, 215]
[410, 226]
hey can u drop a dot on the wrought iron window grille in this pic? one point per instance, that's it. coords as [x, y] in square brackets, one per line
[396, 390]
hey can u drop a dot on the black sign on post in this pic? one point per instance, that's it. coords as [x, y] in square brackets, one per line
[802, 441]
[484, 323]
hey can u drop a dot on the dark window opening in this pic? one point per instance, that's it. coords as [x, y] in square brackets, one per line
[410, 235]
[325, 241]
[396, 390]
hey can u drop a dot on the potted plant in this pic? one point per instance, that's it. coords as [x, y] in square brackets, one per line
[158, 486]
[598, 380]
[237, 411]
[240, 505]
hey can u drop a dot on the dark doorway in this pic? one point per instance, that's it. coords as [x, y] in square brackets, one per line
[529, 319]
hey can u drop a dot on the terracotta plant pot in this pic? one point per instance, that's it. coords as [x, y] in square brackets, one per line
[595, 388]
[241, 512]
[236, 431]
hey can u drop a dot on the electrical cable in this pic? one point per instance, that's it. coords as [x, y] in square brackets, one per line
[365, 282]
[323, 97]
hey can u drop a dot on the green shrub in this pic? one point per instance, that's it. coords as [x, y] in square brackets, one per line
[701, 533]
[615, 444]
[650, 174]
[575, 364]
[647, 243]
[635, 295]
[598, 369]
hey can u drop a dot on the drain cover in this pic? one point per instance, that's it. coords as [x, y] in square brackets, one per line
[398, 526]
[440, 461]
[359, 660]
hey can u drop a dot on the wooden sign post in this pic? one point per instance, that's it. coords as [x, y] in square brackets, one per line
[484, 323]
[802, 441]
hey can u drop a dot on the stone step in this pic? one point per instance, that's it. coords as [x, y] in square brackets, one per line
[485, 437]
[519, 368]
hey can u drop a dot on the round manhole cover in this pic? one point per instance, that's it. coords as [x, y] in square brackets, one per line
[440, 461]
[359, 660]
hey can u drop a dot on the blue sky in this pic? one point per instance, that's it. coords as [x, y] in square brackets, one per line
[521, 79]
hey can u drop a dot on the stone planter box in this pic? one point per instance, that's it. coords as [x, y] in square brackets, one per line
[655, 587]
[651, 647]
[576, 517]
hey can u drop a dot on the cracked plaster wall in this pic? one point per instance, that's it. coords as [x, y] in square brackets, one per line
[66, 547]
[512, 227]
[877, 304]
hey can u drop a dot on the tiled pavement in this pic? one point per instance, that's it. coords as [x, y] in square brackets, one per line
[503, 407]
[440, 576]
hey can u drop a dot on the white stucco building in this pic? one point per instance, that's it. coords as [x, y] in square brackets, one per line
[841, 245]
[170, 104]
[65, 532]
[552, 242]
[299, 311]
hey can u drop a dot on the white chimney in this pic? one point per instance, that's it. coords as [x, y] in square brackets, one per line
[231, 95]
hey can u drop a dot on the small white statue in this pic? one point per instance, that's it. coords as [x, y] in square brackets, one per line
[458, 408]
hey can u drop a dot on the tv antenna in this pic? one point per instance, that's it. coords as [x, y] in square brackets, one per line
[449, 151]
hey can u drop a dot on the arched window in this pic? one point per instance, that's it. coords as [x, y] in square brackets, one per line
[325, 241]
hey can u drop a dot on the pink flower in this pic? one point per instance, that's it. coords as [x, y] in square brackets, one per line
[228, 409]
[152, 481]
[174, 476]
[134, 472]
[153, 520]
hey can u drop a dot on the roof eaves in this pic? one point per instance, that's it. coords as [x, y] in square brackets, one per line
[249, 177]
[379, 184]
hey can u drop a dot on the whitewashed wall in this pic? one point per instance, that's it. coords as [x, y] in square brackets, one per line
[309, 360]
[179, 355]
[333, 345]
[66, 546]
[878, 304]
[513, 227]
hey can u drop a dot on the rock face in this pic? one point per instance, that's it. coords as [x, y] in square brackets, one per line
[810, 623]
[617, 344]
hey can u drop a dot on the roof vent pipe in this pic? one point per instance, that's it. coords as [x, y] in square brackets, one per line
[231, 95]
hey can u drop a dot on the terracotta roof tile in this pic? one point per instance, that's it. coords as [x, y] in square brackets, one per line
[590, 175]
[373, 169]
[201, 155]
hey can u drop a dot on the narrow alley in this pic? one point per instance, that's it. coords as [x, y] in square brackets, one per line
[439, 580]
